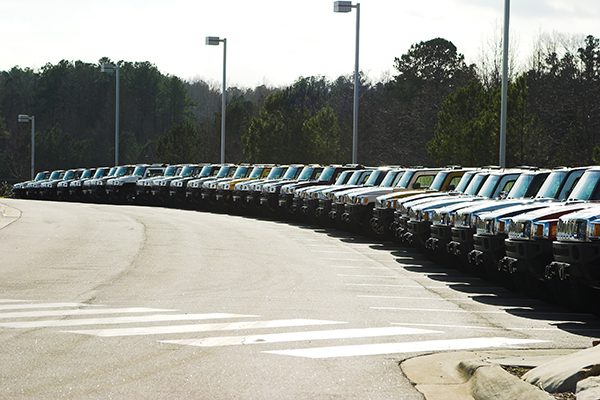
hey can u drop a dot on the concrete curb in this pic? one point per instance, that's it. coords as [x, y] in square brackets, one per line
[489, 381]
[8, 215]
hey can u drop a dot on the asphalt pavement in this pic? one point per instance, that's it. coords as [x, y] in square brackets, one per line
[152, 272]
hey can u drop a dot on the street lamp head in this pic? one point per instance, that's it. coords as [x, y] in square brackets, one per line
[213, 40]
[24, 118]
[107, 68]
[342, 6]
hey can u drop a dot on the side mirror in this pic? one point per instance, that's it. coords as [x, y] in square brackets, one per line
[503, 194]
[450, 187]
[416, 185]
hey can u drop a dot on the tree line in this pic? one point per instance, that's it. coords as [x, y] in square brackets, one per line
[436, 110]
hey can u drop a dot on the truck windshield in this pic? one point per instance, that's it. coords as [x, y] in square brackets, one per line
[327, 174]
[69, 175]
[188, 170]
[292, 172]
[570, 184]
[405, 179]
[224, 172]
[343, 178]
[256, 172]
[355, 177]
[487, 190]
[520, 187]
[306, 173]
[390, 178]
[241, 172]
[276, 172]
[586, 187]
[139, 171]
[438, 181]
[55, 175]
[87, 174]
[549, 189]
[206, 171]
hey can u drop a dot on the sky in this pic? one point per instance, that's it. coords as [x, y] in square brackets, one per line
[272, 42]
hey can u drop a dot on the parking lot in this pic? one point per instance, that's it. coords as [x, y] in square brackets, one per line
[149, 302]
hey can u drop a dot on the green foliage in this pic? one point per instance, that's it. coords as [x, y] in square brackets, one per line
[468, 130]
[322, 133]
[293, 124]
[596, 156]
[181, 144]
[5, 189]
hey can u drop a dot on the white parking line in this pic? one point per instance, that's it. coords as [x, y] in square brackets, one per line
[408, 347]
[159, 330]
[300, 336]
[41, 305]
[368, 276]
[357, 267]
[55, 313]
[120, 320]
[543, 329]
[437, 310]
[398, 286]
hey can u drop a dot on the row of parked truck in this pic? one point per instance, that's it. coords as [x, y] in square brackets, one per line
[532, 230]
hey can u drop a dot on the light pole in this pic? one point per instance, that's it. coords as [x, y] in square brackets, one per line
[503, 106]
[113, 68]
[346, 6]
[214, 41]
[27, 118]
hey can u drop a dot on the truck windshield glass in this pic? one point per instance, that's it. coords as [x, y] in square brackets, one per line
[438, 181]
[355, 177]
[549, 189]
[487, 190]
[375, 178]
[306, 173]
[122, 171]
[257, 172]
[570, 184]
[389, 179]
[187, 171]
[343, 178]
[520, 187]
[464, 181]
[405, 179]
[206, 171]
[69, 175]
[55, 175]
[223, 172]
[327, 174]
[475, 184]
[87, 173]
[139, 171]
[292, 172]
[241, 172]
[586, 186]
[276, 173]
[100, 173]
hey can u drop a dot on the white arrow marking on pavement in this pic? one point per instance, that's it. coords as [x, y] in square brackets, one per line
[87, 311]
[120, 320]
[159, 330]
[300, 336]
[409, 347]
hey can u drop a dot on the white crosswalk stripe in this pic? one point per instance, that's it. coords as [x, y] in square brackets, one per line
[407, 347]
[161, 330]
[300, 336]
[119, 320]
[151, 318]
